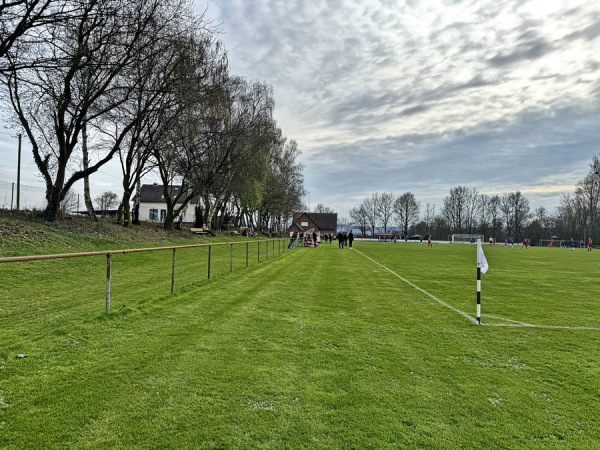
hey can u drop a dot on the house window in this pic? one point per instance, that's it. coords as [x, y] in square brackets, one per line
[304, 224]
[153, 214]
[163, 215]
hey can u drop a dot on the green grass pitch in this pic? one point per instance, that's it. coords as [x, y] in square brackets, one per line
[373, 347]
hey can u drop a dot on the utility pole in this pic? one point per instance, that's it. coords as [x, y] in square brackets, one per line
[19, 174]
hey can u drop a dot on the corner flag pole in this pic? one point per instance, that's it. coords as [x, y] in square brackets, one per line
[478, 295]
[482, 267]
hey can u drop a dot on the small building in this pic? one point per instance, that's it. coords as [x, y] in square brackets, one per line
[384, 237]
[153, 207]
[322, 223]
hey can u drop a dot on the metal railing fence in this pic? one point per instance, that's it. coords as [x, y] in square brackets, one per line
[224, 256]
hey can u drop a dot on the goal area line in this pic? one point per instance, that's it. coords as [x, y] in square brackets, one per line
[506, 322]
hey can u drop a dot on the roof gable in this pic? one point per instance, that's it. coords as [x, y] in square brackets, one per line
[323, 221]
[153, 193]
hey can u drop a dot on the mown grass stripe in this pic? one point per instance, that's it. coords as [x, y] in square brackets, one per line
[441, 302]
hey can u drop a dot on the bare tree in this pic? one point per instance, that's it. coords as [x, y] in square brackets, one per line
[515, 208]
[371, 206]
[69, 203]
[406, 211]
[78, 83]
[455, 208]
[360, 218]
[566, 216]
[188, 73]
[473, 206]
[157, 75]
[385, 210]
[320, 208]
[493, 212]
[429, 216]
[106, 201]
[587, 194]
[20, 18]
[344, 224]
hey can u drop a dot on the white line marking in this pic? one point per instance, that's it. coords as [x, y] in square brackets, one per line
[514, 323]
[441, 302]
[544, 327]
[509, 320]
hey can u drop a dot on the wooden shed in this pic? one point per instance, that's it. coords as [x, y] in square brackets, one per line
[322, 223]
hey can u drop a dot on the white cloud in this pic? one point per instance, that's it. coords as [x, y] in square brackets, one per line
[423, 96]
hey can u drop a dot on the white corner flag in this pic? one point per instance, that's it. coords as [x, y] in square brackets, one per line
[482, 267]
[481, 261]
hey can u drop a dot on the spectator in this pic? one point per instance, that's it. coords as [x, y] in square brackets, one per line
[293, 238]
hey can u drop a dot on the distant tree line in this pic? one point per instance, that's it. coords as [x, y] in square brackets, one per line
[466, 210]
[145, 83]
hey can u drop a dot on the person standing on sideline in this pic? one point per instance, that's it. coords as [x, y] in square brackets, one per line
[589, 244]
[429, 242]
[572, 244]
[292, 243]
[340, 239]
[350, 238]
[314, 236]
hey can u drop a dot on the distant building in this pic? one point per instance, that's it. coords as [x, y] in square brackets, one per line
[322, 223]
[153, 207]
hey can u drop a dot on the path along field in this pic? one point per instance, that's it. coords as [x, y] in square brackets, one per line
[315, 348]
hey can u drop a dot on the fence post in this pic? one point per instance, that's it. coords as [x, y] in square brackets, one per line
[230, 257]
[246, 254]
[107, 302]
[273, 248]
[209, 262]
[173, 273]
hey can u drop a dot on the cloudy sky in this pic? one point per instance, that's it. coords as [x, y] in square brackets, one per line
[417, 95]
[426, 95]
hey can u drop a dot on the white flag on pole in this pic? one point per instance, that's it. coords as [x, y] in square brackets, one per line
[481, 261]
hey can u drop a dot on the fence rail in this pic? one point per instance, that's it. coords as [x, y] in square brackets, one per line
[269, 246]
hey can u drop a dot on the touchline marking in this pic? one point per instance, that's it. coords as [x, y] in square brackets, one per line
[524, 324]
[441, 302]
[514, 323]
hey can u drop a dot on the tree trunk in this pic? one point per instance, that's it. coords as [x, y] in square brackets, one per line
[87, 198]
[135, 219]
[53, 196]
[206, 216]
[126, 208]
[52, 206]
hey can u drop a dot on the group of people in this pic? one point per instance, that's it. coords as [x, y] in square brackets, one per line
[344, 239]
[295, 236]
[581, 244]
[589, 245]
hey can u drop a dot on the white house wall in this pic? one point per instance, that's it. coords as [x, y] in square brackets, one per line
[145, 207]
